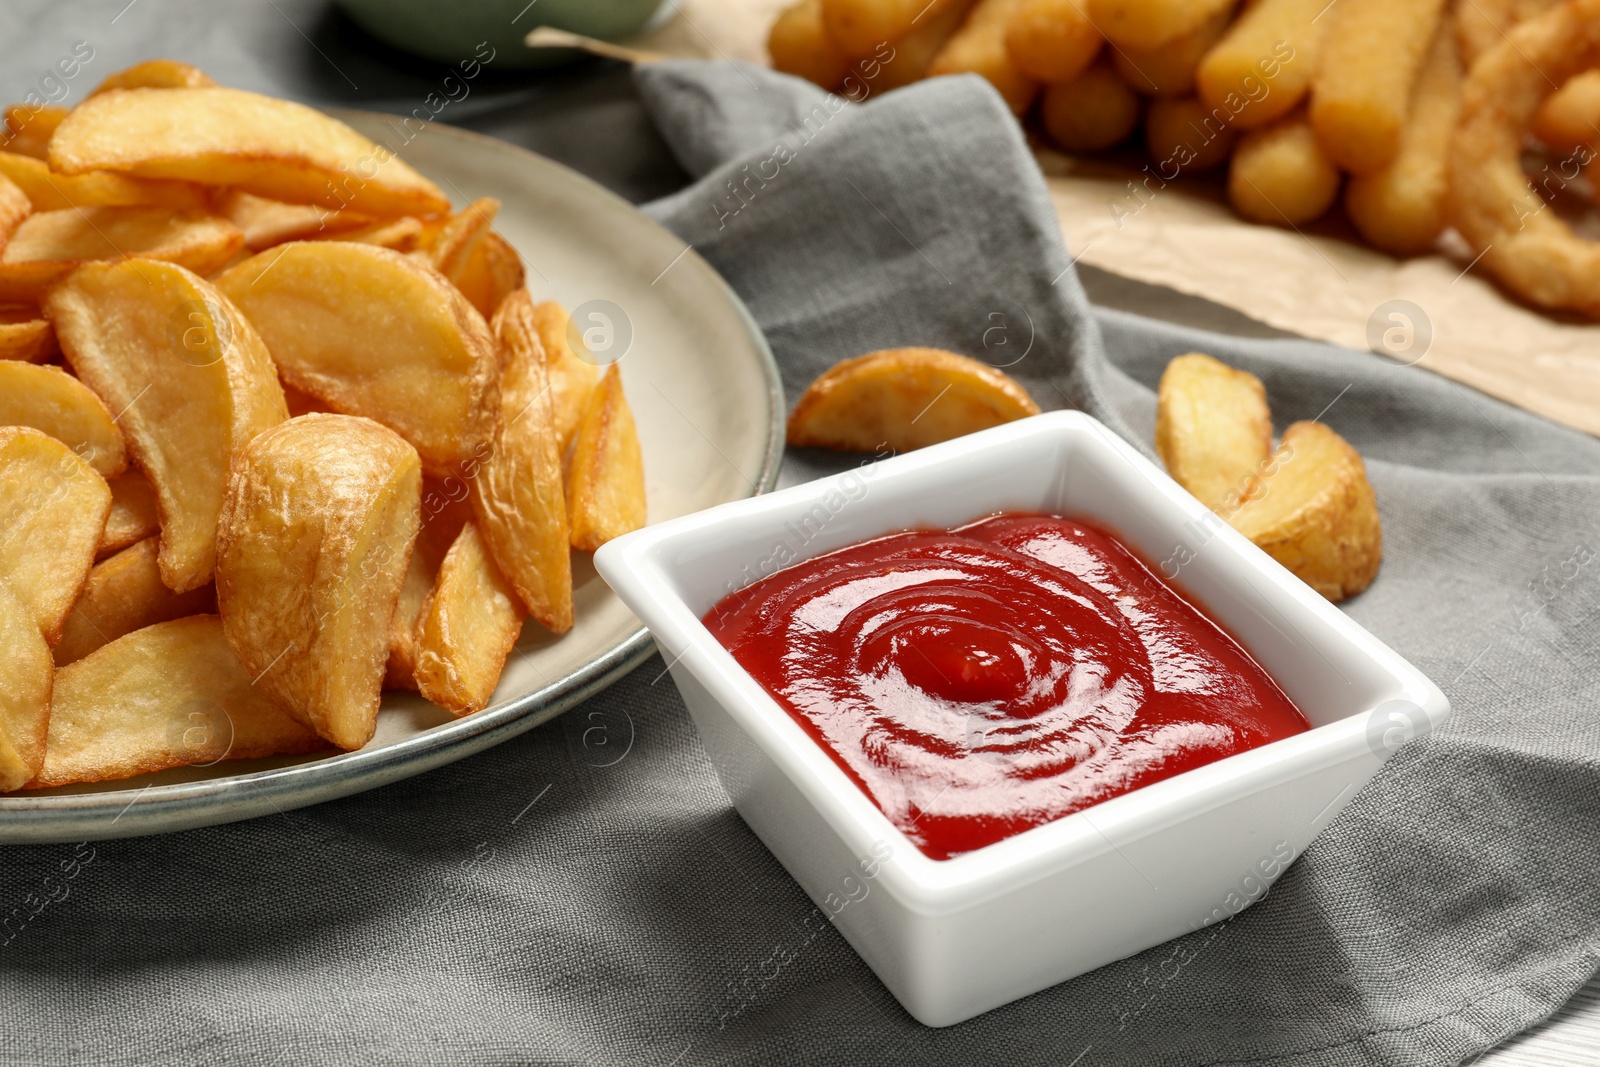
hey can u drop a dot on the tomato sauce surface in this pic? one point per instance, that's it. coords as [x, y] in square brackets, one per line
[979, 682]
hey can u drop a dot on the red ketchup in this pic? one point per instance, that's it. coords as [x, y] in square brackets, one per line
[980, 682]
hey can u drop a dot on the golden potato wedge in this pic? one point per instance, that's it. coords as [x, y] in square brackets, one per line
[125, 593]
[1316, 513]
[572, 378]
[53, 508]
[442, 520]
[55, 192]
[266, 223]
[371, 332]
[1213, 430]
[26, 675]
[270, 147]
[605, 478]
[467, 628]
[904, 398]
[29, 128]
[312, 546]
[461, 234]
[26, 335]
[492, 272]
[190, 381]
[50, 244]
[403, 234]
[133, 514]
[518, 496]
[51, 400]
[154, 74]
[14, 207]
[168, 695]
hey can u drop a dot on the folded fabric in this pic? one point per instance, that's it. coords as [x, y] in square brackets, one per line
[1454, 902]
[540, 903]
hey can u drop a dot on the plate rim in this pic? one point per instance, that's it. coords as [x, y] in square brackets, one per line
[26, 819]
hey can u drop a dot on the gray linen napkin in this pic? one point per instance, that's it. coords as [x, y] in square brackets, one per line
[550, 902]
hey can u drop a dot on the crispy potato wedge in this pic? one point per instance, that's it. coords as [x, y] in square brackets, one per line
[14, 207]
[572, 378]
[168, 695]
[51, 400]
[460, 236]
[266, 223]
[53, 508]
[605, 478]
[1316, 514]
[518, 495]
[26, 675]
[191, 383]
[29, 128]
[402, 234]
[155, 74]
[467, 628]
[312, 547]
[55, 192]
[442, 520]
[1213, 430]
[904, 398]
[371, 332]
[270, 147]
[26, 335]
[51, 244]
[125, 593]
[133, 514]
[492, 272]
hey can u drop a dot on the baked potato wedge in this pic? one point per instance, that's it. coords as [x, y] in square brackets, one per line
[605, 477]
[30, 126]
[154, 74]
[402, 234]
[56, 192]
[518, 496]
[49, 245]
[442, 520]
[460, 236]
[133, 515]
[168, 695]
[266, 223]
[26, 676]
[14, 207]
[26, 335]
[371, 332]
[1315, 512]
[492, 272]
[53, 509]
[467, 628]
[53, 401]
[572, 377]
[190, 381]
[312, 546]
[125, 593]
[903, 399]
[272, 148]
[1213, 430]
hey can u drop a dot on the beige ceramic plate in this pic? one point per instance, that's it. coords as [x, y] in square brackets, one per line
[709, 405]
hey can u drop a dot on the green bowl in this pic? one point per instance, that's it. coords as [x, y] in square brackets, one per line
[452, 32]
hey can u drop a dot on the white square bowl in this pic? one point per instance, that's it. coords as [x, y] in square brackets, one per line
[954, 938]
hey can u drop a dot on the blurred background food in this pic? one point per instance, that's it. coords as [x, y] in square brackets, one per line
[1298, 112]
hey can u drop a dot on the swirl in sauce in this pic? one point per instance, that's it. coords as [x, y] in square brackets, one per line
[980, 682]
